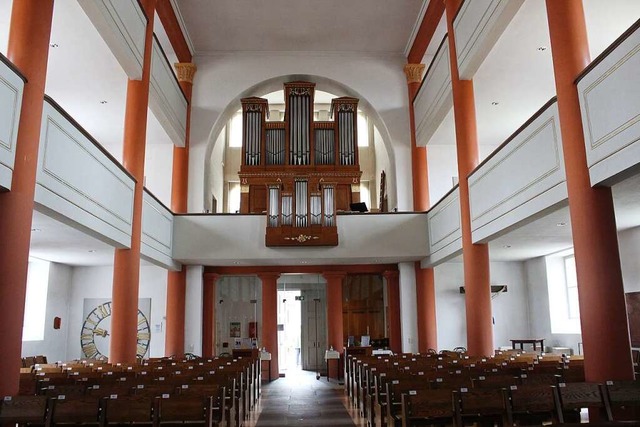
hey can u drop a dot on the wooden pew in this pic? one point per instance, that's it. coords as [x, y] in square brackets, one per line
[118, 410]
[531, 404]
[571, 397]
[23, 410]
[479, 405]
[427, 407]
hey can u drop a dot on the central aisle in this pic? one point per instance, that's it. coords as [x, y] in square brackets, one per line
[301, 400]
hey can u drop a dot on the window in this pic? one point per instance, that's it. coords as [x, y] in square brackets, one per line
[363, 130]
[36, 302]
[235, 130]
[572, 287]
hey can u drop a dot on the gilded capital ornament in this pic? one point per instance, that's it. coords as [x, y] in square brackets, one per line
[186, 71]
[414, 72]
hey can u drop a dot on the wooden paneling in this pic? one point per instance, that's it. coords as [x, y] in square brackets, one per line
[343, 197]
[363, 306]
[258, 199]
[11, 87]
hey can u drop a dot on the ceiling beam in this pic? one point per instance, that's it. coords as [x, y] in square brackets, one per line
[435, 11]
[174, 32]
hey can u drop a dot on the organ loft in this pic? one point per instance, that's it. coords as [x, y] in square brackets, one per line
[299, 171]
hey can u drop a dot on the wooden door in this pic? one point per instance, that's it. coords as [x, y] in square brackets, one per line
[314, 330]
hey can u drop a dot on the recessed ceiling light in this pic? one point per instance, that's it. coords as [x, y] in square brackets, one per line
[542, 48]
[494, 103]
[236, 262]
[304, 262]
[35, 230]
[54, 45]
[561, 224]
[91, 251]
[506, 246]
[103, 102]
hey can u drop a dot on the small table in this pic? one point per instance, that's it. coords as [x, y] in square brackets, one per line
[332, 355]
[534, 342]
[265, 356]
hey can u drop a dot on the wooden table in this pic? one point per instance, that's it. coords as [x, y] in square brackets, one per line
[332, 355]
[533, 342]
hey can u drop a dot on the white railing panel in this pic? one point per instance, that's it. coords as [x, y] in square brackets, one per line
[11, 88]
[167, 101]
[610, 104]
[477, 27]
[79, 181]
[434, 99]
[444, 229]
[521, 179]
[228, 238]
[122, 24]
[157, 232]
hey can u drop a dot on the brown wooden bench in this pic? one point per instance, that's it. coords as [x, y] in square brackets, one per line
[23, 410]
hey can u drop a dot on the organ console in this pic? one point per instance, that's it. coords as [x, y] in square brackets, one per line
[299, 172]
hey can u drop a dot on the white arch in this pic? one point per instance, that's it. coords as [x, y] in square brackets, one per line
[275, 84]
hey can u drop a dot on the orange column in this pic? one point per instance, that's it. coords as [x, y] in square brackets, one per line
[425, 286]
[28, 49]
[476, 257]
[126, 264]
[605, 333]
[335, 325]
[270, 318]
[393, 302]
[209, 315]
[177, 280]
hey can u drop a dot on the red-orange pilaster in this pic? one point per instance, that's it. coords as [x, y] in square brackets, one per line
[335, 324]
[177, 280]
[209, 314]
[270, 318]
[426, 300]
[476, 256]
[28, 49]
[126, 265]
[605, 333]
[393, 302]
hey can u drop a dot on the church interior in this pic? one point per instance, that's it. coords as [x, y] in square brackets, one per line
[443, 193]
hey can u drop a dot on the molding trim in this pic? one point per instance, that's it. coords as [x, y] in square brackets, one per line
[416, 27]
[183, 26]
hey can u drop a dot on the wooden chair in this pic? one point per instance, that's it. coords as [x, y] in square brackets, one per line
[480, 406]
[572, 397]
[623, 398]
[23, 410]
[495, 381]
[427, 407]
[126, 410]
[178, 410]
[82, 410]
[531, 404]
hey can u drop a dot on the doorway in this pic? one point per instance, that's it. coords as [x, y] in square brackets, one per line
[302, 324]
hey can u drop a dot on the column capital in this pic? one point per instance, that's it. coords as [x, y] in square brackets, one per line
[268, 275]
[335, 275]
[186, 71]
[414, 72]
[391, 275]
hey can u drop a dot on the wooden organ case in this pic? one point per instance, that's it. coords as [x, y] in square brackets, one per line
[299, 172]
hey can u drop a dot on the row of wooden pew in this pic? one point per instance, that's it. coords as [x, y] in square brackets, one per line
[206, 392]
[510, 388]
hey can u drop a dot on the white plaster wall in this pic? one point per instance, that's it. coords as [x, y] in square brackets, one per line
[158, 169]
[233, 304]
[509, 309]
[382, 164]
[217, 172]
[629, 243]
[97, 282]
[54, 345]
[408, 307]
[536, 278]
[378, 80]
[193, 308]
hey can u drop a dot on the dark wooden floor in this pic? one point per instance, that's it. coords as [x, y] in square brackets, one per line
[301, 400]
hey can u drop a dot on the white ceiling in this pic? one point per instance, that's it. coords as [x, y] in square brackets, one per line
[372, 26]
[82, 72]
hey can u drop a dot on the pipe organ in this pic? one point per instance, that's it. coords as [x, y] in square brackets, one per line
[299, 171]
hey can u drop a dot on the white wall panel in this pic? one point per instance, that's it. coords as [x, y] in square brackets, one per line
[78, 181]
[610, 105]
[157, 232]
[521, 179]
[122, 24]
[444, 229]
[11, 88]
[477, 27]
[207, 239]
[167, 102]
[434, 98]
